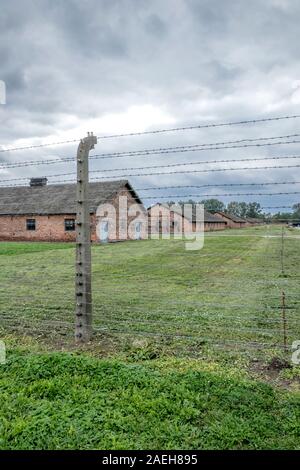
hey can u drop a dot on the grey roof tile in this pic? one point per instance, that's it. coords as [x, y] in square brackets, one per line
[56, 199]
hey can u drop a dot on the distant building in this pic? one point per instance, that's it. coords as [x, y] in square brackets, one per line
[212, 222]
[165, 219]
[233, 221]
[48, 213]
[255, 221]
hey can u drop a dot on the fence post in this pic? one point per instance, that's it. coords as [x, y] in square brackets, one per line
[284, 321]
[282, 251]
[83, 285]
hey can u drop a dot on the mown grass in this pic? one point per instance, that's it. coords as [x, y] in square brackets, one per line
[20, 248]
[64, 401]
[226, 295]
[174, 342]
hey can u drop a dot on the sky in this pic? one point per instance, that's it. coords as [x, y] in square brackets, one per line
[121, 66]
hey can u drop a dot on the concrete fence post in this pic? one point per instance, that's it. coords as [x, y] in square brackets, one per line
[83, 285]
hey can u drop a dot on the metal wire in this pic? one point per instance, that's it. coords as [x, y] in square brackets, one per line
[159, 131]
[261, 281]
[144, 152]
[170, 165]
[218, 185]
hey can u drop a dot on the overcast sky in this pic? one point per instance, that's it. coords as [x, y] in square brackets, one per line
[115, 66]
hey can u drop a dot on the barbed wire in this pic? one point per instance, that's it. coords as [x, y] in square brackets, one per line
[158, 131]
[221, 195]
[194, 171]
[170, 165]
[155, 151]
[189, 186]
[220, 185]
[135, 322]
[123, 176]
[170, 196]
[194, 338]
[198, 339]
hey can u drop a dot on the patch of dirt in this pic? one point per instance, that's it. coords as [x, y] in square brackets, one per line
[102, 345]
[270, 373]
[278, 364]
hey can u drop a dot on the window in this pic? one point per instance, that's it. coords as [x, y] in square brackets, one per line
[30, 224]
[69, 225]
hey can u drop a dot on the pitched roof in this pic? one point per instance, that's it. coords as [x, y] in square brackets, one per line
[254, 220]
[208, 217]
[57, 199]
[232, 217]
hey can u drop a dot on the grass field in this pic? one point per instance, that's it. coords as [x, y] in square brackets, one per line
[228, 294]
[184, 345]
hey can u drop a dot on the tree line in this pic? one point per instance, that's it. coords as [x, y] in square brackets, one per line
[243, 209]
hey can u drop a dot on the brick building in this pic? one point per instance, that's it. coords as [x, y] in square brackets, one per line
[254, 221]
[42, 212]
[212, 223]
[233, 221]
[164, 219]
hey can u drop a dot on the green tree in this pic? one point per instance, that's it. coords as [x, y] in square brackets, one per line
[244, 209]
[234, 207]
[253, 210]
[213, 205]
[181, 203]
[296, 209]
[282, 216]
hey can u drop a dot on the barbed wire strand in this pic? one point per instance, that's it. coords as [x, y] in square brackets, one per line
[159, 131]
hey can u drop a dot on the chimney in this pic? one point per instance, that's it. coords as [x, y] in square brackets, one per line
[38, 182]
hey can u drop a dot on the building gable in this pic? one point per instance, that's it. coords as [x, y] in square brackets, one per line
[57, 199]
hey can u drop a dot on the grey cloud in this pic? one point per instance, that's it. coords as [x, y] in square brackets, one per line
[196, 60]
[155, 26]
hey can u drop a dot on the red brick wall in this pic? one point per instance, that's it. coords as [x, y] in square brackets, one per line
[114, 219]
[52, 227]
[230, 223]
[167, 217]
[48, 228]
[161, 219]
[213, 226]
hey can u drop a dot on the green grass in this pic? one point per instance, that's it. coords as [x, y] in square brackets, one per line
[64, 401]
[20, 248]
[181, 353]
[226, 295]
